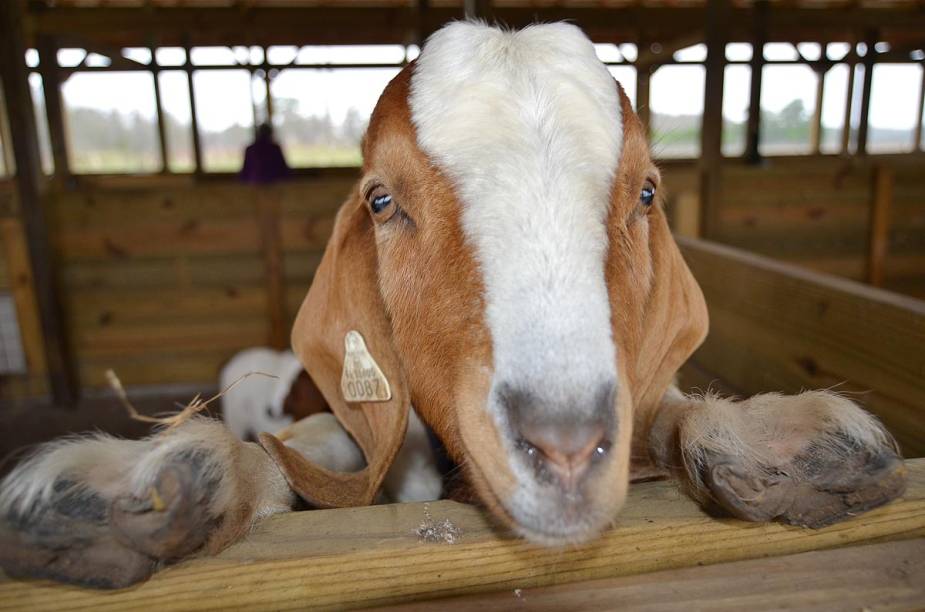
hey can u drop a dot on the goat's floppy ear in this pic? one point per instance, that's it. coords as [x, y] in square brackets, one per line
[675, 319]
[344, 298]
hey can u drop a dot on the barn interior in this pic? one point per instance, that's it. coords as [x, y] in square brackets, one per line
[789, 134]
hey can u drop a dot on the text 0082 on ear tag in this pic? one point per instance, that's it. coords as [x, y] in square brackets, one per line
[362, 380]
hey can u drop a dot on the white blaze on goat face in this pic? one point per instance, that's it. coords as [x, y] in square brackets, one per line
[527, 126]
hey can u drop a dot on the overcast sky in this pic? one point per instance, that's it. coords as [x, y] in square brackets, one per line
[223, 96]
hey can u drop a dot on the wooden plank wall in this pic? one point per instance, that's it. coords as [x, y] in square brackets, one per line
[166, 280]
[817, 212]
[166, 277]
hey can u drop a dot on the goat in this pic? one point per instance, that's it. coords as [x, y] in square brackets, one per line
[503, 267]
[258, 406]
[267, 404]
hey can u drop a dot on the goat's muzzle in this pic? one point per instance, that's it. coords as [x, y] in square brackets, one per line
[561, 441]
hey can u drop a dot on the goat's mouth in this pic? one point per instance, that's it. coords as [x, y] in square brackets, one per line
[548, 512]
[545, 512]
[558, 523]
[555, 481]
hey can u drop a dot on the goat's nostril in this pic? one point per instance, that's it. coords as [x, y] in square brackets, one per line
[560, 439]
[528, 449]
[566, 452]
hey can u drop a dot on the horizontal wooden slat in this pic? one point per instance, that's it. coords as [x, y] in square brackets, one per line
[141, 339]
[198, 236]
[97, 309]
[887, 576]
[826, 240]
[794, 215]
[154, 367]
[775, 327]
[368, 556]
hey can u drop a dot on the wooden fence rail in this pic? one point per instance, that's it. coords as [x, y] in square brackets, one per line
[372, 556]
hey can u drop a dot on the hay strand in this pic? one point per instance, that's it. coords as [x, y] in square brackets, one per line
[195, 405]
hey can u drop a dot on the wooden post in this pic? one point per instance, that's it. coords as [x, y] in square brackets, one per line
[847, 129]
[687, 215]
[194, 121]
[863, 124]
[54, 108]
[816, 127]
[711, 132]
[159, 110]
[267, 199]
[643, 88]
[753, 126]
[5, 139]
[268, 82]
[477, 9]
[255, 118]
[879, 224]
[15, 80]
[422, 22]
[919, 118]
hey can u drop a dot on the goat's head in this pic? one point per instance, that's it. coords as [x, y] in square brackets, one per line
[506, 264]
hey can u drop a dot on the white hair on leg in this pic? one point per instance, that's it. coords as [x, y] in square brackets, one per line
[96, 461]
[110, 467]
[768, 430]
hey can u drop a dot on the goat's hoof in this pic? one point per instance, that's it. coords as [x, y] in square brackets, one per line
[820, 486]
[68, 539]
[80, 537]
[170, 522]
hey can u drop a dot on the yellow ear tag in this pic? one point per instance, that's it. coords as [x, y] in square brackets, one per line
[362, 380]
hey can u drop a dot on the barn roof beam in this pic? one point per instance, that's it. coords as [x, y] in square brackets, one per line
[125, 26]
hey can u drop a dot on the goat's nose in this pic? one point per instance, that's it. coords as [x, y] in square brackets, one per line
[564, 450]
[557, 438]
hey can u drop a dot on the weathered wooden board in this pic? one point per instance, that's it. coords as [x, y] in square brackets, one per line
[372, 555]
[889, 576]
[775, 327]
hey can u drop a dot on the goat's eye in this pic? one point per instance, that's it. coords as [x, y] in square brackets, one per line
[381, 203]
[647, 195]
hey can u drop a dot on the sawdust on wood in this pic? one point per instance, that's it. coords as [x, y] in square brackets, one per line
[439, 532]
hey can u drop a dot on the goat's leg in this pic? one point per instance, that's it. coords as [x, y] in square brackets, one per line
[105, 512]
[413, 475]
[810, 459]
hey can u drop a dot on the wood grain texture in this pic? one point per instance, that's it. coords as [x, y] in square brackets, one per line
[139, 253]
[19, 277]
[165, 279]
[879, 224]
[774, 327]
[372, 556]
[879, 577]
[268, 220]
